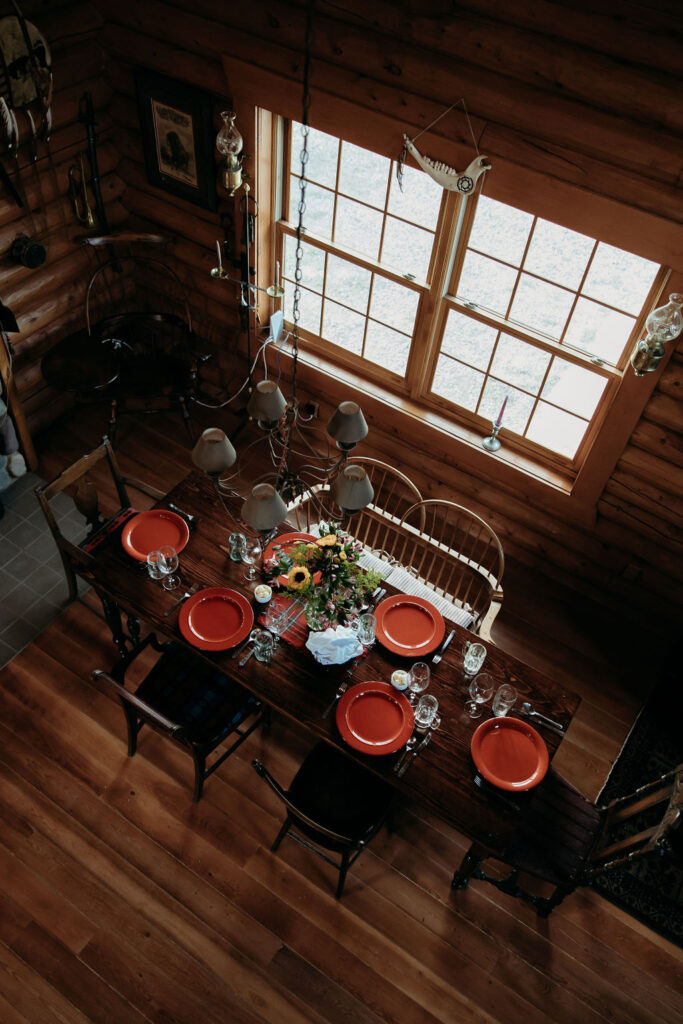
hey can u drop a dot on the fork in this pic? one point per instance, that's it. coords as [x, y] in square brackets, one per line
[188, 593]
[413, 754]
[440, 653]
[343, 687]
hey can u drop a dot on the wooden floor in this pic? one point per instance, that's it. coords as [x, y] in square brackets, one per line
[123, 902]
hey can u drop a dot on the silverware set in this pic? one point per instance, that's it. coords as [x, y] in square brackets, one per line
[187, 516]
[528, 712]
[411, 752]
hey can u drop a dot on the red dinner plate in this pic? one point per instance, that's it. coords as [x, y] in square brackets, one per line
[409, 625]
[154, 529]
[285, 543]
[374, 718]
[216, 619]
[509, 753]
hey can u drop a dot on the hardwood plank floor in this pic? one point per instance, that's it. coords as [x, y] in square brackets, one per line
[121, 901]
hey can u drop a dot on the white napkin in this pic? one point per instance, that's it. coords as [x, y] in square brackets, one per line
[334, 646]
[407, 584]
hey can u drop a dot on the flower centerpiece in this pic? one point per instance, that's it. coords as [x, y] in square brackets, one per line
[326, 576]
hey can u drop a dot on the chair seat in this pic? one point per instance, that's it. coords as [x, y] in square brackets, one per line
[340, 795]
[195, 695]
[557, 834]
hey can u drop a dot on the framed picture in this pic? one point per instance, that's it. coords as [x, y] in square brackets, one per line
[178, 137]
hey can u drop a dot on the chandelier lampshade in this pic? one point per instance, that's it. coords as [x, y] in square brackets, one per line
[214, 452]
[347, 425]
[264, 509]
[267, 403]
[352, 489]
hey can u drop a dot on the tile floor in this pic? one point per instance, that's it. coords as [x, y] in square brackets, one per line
[33, 588]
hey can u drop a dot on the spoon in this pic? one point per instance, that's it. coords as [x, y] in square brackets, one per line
[529, 711]
[409, 746]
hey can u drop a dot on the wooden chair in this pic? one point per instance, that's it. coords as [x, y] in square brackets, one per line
[77, 480]
[374, 526]
[566, 840]
[333, 806]
[189, 700]
[457, 554]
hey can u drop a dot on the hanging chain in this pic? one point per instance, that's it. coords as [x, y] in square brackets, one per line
[299, 254]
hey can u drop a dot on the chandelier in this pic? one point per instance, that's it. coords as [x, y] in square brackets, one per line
[301, 470]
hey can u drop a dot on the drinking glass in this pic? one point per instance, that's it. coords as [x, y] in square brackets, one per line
[426, 713]
[263, 646]
[419, 680]
[475, 656]
[236, 545]
[154, 565]
[252, 553]
[281, 613]
[168, 564]
[364, 627]
[506, 696]
[481, 690]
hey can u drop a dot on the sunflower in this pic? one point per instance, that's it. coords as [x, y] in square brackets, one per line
[327, 541]
[298, 577]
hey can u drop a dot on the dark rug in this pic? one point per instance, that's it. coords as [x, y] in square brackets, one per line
[650, 889]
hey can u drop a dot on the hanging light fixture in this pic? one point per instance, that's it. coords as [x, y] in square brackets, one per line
[229, 144]
[662, 325]
[300, 468]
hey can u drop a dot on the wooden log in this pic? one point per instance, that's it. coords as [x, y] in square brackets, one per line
[194, 68]
[494, 97]
[557, 65]
[642, 493]
[647, 466]
[666, 411]
[643, 37]
[665, 444]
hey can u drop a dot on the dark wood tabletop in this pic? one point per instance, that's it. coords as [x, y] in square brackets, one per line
[294, 684]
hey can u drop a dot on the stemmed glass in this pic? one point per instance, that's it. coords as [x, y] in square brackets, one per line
[419, 681]
[168, 563]
[481, 690]
[250, 556]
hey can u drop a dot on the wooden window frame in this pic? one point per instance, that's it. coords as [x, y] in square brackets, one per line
[573, 497]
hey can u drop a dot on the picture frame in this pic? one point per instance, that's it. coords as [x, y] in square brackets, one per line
[178, 137]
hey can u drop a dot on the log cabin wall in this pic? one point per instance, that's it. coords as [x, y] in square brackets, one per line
[581, 96]
[48, 301]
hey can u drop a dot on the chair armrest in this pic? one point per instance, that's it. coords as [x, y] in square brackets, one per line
[151, 492]
[487, 622]
[131, 698]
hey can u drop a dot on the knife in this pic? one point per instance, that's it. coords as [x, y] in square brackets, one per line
[187, 516]
[406, 764]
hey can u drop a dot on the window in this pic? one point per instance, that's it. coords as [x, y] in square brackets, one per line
[461, 304]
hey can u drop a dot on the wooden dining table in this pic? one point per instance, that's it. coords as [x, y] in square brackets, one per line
[441, 778]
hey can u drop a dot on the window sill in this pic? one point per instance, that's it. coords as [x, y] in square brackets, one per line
[399, 418]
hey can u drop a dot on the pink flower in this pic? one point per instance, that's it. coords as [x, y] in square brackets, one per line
[269, 564]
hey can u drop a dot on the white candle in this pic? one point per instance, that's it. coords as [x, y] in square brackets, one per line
[277, 274]
[502, 410]
[218, 250]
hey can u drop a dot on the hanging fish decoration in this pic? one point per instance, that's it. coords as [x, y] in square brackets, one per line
[442, 174]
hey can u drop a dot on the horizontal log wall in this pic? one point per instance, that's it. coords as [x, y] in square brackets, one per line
[583, 99]
[48, 301]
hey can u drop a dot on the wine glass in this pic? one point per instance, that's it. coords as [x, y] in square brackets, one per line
[250, 556]
[481, 689]
[419, 680]
[168, 564]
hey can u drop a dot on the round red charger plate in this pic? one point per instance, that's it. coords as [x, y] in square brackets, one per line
[409, 625]
[286, 542]
[216, 619]
[156, 528]
[374, 718]
[509, 753]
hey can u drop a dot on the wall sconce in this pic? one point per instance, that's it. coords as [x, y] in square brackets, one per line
[662, 325]
[229, 144]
